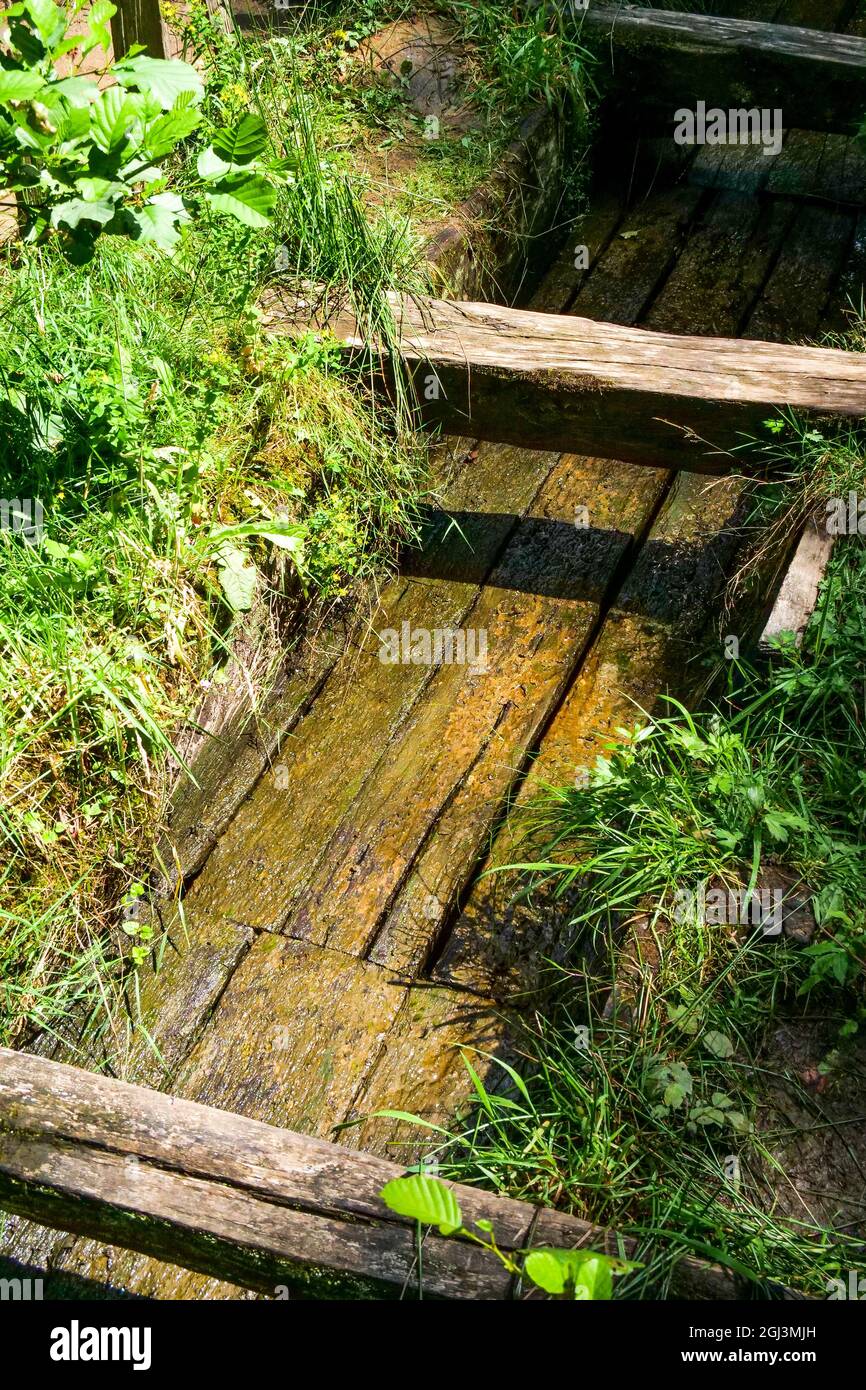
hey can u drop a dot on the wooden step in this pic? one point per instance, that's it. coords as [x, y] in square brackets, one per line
[554, 382]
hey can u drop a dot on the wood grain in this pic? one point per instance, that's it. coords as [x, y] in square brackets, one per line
[237, 1199]
[555, 382]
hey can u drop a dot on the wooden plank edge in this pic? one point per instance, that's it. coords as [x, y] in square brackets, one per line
[240, 1200]
[572, 385]
[798, 596]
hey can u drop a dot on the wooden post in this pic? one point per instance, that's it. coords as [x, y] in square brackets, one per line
[139, 21]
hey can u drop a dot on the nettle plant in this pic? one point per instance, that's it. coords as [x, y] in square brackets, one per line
[575, 1274]
[83, 153]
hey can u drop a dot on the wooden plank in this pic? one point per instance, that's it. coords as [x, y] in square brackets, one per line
[498, 944]
[236, 1198]
[547, 381]
[662, 61]
[798, 596]
[139, 21]
[259, 872]
[462, 743]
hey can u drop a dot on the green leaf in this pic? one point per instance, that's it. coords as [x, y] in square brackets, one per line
[160, 220]
[48, 19]
[76, 210]
[77, 91]
[210, 166]
[238, 578]
[164, 78]
[719, 1044]
[589, 1274]
[109, 119]
[248, 197]
[285, 534]
[19, 85]
[92, 190]
[674, 1095]
[242, 142]
[779, 822]
[546, 1270]
[424, 1199]
[99, 33]
[167, 131]
[684, 1016]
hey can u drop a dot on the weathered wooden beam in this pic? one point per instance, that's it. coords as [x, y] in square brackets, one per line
[549, 381]
[661, 60]
[240, 1200]
[139, 21]
[798, 596]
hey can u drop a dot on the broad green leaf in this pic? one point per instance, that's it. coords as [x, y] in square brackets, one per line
[238, 577]
[719, 1044]
[160, 221]
[685, 1017]
[49, 20]
[77, 91]
[707, 1115]
[248, 197]
[674, 1096]
[109, 119]
[588, 1273]
[282, 533]
[76, 210]
[284, 540]
[243, 142]
[99, 34]
[76, 124]
[19, 84]
[594, 1280]
[210, 166]
[164, 78]
[92, 190]
[167, 131]
[424, 1199]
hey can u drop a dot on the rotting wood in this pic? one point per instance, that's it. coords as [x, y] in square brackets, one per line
[524, 185]
[300, 809]
[238, 1199]
[662, 61]
[652, 634]
[548, 381]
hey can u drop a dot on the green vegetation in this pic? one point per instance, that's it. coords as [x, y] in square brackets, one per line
[584, 1275]
[81, 159]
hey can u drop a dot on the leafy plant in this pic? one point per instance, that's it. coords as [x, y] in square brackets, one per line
[577, 1274]
[87, 158]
